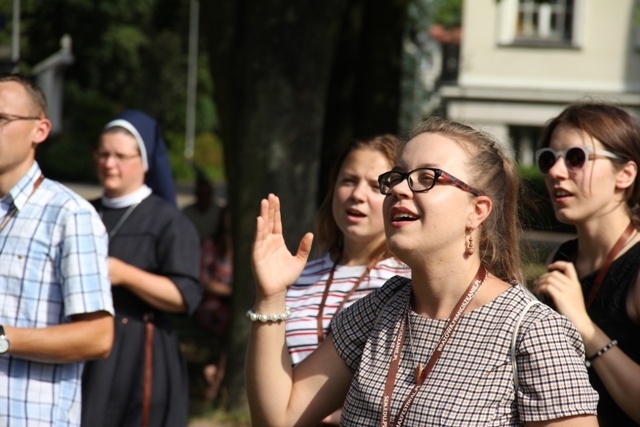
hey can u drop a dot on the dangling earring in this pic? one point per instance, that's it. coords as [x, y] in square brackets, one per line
[470, 249]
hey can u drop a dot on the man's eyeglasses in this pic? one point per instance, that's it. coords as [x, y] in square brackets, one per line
[421, 180]
[8, 118]
[574, 158]
[103, 156]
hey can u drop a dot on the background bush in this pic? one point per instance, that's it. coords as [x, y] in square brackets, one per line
[536, 211]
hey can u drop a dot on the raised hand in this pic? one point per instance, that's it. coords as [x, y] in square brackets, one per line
[274, 267]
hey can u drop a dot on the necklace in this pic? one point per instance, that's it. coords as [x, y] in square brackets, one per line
[14, 209]
[122, 219]
[423, 373]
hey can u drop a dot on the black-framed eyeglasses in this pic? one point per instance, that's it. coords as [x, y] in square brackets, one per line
[420, 180]
[574, 158]
[8, 118]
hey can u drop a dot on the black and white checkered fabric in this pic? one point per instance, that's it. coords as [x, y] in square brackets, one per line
[472, 382]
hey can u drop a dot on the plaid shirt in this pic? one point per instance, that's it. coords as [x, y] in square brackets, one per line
[472, 382]
[53, 264]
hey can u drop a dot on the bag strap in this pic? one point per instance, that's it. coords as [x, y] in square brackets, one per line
[514, 338]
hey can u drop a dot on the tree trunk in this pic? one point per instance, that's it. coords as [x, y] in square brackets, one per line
[271, 64]
[364, 93]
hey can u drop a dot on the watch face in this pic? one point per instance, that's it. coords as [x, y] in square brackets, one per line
[4, 344]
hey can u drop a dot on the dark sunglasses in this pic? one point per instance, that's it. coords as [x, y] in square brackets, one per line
[574, 158]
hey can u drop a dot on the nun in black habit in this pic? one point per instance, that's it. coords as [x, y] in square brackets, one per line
[153, 263]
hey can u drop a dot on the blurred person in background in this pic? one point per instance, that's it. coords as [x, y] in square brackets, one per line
[204, 212]
[154, 253]
[214, 313]
[590, 155]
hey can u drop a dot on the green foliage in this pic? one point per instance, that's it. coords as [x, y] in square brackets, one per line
[536, 210]
[208, 156]
[221, 418]
[182, 170]
[7, 29]
[206, 114]
[447, 13]
[127, 55]
[68, 156]
[123, 43]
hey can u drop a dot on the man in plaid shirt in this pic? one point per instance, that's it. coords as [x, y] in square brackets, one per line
[55, 294]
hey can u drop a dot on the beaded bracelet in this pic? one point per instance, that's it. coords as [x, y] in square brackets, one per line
[254, 317]
[600, 352]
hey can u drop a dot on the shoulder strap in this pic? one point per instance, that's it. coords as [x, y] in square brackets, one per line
[514, 338]
[401, 284]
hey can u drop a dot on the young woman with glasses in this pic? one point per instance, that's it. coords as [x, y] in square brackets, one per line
[443, 347]
[590, 158]
[355, 259]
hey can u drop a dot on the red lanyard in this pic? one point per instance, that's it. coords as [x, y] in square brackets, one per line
[454, 318]
[344, 300]
[607, 262]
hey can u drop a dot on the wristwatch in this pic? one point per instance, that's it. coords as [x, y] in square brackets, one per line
[4, 341]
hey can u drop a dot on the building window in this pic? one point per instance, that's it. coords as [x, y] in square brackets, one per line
[525, 140]
[539, 22]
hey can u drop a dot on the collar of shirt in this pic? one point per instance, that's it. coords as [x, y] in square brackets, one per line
[23, 189]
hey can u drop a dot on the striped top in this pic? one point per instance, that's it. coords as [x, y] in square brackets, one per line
[305, 296]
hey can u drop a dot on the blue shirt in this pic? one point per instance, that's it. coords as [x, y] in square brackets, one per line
[53, 264]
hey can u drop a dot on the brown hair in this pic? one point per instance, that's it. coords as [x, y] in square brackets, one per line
[330, 237]
[38, 100]
[616, 129]
[496, 176]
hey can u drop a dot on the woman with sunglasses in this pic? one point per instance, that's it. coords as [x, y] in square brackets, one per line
[590, 158]
[436, 349]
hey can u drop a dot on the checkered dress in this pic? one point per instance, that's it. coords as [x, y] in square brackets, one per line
[472, 382]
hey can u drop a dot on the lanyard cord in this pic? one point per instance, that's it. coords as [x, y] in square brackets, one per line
[622, 241]
[325, 294]
[454, 318]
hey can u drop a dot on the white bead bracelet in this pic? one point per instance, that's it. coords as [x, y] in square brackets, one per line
[589, 360]
[255, 317]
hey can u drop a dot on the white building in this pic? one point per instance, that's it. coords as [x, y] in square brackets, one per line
[522, 61]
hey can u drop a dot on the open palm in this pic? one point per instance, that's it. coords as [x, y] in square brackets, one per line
[274, 267]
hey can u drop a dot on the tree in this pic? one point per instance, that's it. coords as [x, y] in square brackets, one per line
[127, 55]
[293, 82]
